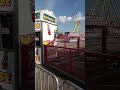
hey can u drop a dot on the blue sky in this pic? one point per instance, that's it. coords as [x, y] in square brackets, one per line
[66, 11]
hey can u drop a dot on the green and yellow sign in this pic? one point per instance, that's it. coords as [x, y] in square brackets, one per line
[26, 40]
[48, 18]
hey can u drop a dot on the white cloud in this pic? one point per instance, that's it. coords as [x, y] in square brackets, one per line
[69, 18]
[78, 16]
[64, 18]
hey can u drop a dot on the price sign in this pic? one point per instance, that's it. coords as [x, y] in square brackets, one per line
[6, 5]
[37, 26]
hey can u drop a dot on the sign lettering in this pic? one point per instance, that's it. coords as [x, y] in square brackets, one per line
[49, 18]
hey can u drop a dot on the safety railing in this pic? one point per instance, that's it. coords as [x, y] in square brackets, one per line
[67, 85]
[45, 80]
[69, 60]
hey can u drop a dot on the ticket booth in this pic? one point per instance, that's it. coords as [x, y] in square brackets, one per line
[45, 32]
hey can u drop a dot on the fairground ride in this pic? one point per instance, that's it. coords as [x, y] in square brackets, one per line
[76, 33]
[77, 27]
[104, 20]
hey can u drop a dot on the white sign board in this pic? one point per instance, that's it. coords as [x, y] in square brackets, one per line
[45, 15]
[6, 5]
[48, 31]
[7, 70]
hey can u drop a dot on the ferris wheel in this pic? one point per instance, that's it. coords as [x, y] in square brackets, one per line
[77, 27]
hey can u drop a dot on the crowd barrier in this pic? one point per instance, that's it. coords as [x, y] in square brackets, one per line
[45, 80]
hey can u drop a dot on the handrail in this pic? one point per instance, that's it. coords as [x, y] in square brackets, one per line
[55, 77]
[58, 85]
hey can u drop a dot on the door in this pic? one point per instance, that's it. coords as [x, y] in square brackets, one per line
[6, 31]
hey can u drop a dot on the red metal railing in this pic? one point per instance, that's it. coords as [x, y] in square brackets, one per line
[70, 60]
